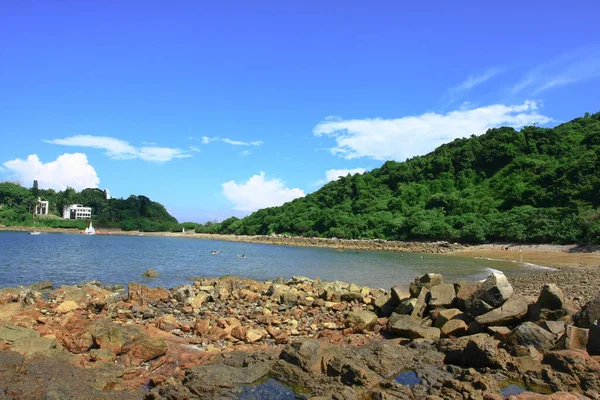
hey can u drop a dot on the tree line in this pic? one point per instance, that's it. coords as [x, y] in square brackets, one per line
[536, 185]
[17, 205]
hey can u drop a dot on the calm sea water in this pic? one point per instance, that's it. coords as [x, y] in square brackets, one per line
[72, 259]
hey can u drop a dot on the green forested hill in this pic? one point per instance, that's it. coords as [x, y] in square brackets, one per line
[134, 213]
[534, 185]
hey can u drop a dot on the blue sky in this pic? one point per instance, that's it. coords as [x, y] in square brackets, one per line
[219, 109]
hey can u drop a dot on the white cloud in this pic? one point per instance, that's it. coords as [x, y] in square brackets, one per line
[120, 149]
[401, 138]
[576, 66]
[335, 174]
[258, 193]
[474, 80]
[195, 149]
[207, 140]
[71, 170]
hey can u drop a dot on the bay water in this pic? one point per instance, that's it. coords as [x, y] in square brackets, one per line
[72, 259]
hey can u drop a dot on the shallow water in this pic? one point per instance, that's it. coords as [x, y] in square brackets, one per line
[71, 258]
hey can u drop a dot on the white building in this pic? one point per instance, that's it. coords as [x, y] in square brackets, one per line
[77, 211]
[41, 207]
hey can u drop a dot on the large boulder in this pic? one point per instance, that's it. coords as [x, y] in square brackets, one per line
[400, 292]
[575, 338]
[406, 327]
[551, 297]
[360, 320]
[443, 316]
[306, 354]
[465, 292]
[454, 328]
[442, 295]
[530, 334]
[420, 305]
[495, 290]
[406, 306]
[426, 281]
[588, 314]
[510, 312]
[482, 352]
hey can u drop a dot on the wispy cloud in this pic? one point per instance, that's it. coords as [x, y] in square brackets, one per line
[194, 149]
[475, 80]
[569, 68]
[401, 138]
[120, 149]
[207, 140]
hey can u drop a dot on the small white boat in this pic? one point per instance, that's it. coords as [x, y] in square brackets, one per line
[90, 230]
[35, 233]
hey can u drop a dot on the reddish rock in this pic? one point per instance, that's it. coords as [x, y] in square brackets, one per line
[202, 326]
[140, 293]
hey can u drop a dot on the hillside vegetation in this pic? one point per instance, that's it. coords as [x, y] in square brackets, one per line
[537, 185]
[134, 213]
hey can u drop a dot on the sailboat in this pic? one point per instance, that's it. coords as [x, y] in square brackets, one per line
[90, 230]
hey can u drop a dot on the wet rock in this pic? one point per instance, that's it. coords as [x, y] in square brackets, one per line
[495, 290]
[530, 334]
[551, 297]
[509, 313]
[360, 320]
[442, 295]
[150, 273]
[219, 379]
[588, 314]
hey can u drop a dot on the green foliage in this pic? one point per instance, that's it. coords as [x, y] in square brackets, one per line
[133, 213]
[534, 185]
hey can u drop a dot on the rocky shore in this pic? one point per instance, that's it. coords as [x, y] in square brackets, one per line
[299, 338]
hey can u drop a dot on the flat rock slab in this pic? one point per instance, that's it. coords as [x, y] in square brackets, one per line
[12, 333]
[442, 295]
[510, 312]
[409, 328]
